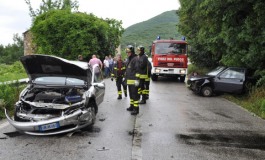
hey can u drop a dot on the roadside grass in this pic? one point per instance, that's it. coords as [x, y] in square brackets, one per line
[201, 71]
[8, 97]
[254, 101]
[12, 72]
[9, 92]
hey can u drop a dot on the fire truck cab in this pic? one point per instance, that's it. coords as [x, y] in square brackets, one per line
[169, 58]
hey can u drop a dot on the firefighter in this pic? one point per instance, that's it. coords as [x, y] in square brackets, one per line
[132, 79]
[118, 73]
[143, 71]
[147, 80]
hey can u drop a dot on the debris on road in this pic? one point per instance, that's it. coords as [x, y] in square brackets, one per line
[102, 149]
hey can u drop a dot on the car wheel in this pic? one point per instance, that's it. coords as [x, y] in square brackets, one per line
[207, 91]
[154, 77]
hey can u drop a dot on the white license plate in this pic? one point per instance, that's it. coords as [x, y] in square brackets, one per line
[171, 71]
[49, 126]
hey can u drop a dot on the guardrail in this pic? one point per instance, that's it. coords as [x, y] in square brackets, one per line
[20, 81]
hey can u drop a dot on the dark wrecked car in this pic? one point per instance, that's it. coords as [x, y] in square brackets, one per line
[220, 80]
[61, 96]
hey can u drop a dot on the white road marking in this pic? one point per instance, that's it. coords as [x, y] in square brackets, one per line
[137, 141]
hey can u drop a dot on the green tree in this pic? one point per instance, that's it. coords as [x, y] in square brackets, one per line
[67, 34]
[12, 52]
[225, 32]
[48, 5]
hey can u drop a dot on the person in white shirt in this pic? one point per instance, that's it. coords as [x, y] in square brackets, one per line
[106, 67]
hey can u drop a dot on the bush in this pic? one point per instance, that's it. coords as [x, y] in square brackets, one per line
[12, 72]
[9, 96]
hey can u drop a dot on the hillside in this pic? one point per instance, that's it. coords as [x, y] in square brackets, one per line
[145, 32]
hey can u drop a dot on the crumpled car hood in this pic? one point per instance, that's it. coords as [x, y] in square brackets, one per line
[46, 65]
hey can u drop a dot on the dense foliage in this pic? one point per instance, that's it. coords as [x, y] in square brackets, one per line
[15, 71]
[163, 25]
[48, 5]
[12, 52]
[67, 34]
[225, 33]
[8, 96]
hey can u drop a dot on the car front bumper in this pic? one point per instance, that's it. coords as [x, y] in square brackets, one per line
[67, 123]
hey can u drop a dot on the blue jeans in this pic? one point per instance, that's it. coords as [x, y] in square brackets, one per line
[106, 71]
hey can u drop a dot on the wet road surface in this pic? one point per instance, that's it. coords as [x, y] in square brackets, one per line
[174, 124]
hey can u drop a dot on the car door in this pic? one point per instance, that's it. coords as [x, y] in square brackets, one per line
[98, 84]
[230, 80]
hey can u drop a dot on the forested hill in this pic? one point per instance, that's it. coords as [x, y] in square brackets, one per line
[145, 32]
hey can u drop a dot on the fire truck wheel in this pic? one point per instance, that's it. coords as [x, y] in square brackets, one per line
[182, 78]
[154, 77]
[207, 91]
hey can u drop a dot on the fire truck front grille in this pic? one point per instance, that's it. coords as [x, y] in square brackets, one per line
[171, 64]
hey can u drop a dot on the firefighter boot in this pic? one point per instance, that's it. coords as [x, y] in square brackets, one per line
[130, 108]
[143, 101]
[125, 94]
[119, 97]
[135, 111]
[147, 96]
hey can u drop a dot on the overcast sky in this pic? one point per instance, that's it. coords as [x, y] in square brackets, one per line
[14, 14]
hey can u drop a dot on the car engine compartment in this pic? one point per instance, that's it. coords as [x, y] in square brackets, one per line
[54, 95]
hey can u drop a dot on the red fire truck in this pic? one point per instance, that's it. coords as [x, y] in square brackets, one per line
[169, 58]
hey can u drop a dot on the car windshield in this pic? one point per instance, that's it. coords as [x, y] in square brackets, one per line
[62, 81]
[215, 71]
[165, 48]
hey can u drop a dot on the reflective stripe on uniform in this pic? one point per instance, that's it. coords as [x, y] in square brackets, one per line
[130, 82]
[136, 103]
[143, 76]
[140, 91]
[131, 101]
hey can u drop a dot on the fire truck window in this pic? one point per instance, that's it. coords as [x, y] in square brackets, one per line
[164, 48]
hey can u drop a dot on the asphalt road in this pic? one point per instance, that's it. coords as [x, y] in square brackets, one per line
[174, 124]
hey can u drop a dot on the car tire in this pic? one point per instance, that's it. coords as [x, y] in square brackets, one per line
[207, 91]
[154, 77]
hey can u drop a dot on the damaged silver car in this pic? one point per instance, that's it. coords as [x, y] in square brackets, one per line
[61, 96]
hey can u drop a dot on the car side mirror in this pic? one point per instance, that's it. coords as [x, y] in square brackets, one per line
[100, 85]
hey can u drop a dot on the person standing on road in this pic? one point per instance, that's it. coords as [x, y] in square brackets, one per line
[132, 79]
[147, 80]
[106, 67]
[118, 74]
[111, 62]
[143, 71]
[94, 60]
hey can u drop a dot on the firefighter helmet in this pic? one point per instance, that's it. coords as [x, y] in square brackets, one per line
[129, 48]
[141, 49]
